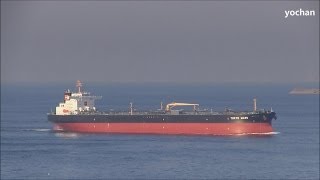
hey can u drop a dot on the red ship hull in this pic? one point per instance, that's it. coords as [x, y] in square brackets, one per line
[167, 128]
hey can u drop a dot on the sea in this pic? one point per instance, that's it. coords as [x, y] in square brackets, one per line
[30, 149]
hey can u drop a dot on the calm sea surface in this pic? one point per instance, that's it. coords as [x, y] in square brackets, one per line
[30, 150]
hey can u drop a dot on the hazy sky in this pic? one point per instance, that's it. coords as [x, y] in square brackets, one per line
[139, 41]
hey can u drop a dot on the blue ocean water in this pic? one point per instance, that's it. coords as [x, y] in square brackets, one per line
[30, 150]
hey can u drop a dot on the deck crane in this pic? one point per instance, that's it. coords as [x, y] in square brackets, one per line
[174, 104]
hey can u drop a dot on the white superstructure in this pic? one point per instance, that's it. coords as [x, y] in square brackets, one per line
[74, 103]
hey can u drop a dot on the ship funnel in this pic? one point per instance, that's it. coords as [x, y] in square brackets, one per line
[254, 104]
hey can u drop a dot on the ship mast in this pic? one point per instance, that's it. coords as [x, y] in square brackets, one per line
[254, 104]
[131, 108]
[79, 85]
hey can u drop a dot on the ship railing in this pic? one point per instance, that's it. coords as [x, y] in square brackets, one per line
[164, 113]
[80, 97]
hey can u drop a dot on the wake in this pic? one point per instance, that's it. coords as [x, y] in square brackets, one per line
[39, 130]
[268, 133]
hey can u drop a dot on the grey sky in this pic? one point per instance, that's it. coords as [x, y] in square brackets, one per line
[106, 41]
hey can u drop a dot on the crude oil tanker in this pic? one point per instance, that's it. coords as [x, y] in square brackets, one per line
[77, 113]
